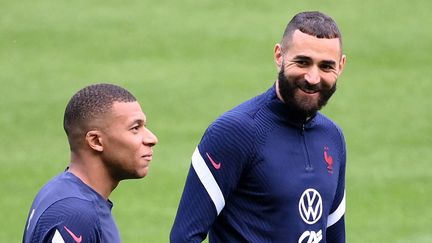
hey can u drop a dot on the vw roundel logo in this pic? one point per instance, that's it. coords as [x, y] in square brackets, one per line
[310, 206]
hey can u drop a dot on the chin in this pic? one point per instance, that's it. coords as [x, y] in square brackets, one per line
[307, 103]
[142, 173]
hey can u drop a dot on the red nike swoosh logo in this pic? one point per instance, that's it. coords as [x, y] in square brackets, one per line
[215, 165]
[76, 238]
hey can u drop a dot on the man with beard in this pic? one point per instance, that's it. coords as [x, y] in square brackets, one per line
[273, 168]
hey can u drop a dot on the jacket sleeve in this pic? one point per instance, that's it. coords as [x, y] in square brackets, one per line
[69, 220]
[336, 219]
[217, 165]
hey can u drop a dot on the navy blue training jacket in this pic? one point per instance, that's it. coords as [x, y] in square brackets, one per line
[68, 211]
[261, 175]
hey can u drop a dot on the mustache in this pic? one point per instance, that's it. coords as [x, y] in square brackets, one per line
[306, 86]
[301, 84]
[309, 88]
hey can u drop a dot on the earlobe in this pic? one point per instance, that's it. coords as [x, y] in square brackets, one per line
[94, 140]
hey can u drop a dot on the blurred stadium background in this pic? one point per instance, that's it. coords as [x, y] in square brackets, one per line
[188, 62]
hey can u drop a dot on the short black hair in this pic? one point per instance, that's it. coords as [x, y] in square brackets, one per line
[312, 23]
[90, 103]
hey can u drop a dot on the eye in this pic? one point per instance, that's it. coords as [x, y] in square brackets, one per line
[302, 63]
[327, 67]
[135, 128]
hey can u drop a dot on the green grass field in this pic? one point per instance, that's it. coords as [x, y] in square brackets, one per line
[188, 62]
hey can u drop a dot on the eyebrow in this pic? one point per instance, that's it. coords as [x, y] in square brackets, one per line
[306, 58]
[327, 62]
[301, 57]
[139, 121]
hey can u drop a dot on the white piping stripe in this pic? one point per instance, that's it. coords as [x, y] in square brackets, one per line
[337, 214]
[57, 238]
[207, 179]
[30, 218]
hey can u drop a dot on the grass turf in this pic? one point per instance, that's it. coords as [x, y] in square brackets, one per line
[188, 62]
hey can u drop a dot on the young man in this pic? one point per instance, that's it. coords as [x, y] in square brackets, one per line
[109, 142]
[273, 168]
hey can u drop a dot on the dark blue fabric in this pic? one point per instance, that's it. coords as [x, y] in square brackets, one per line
[269, 159]
[65, 204]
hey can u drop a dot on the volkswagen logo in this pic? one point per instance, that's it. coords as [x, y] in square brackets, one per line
[310, 206]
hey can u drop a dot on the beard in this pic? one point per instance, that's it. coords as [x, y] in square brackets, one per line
[303, 106]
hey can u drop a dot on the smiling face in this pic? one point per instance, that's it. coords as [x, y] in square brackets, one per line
[308, 70]
[127, 142]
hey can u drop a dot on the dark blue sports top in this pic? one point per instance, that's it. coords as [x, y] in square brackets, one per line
[260, 174]
[67, 210]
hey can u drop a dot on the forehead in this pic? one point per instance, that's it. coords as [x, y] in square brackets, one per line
[127, 111]
[302, 44]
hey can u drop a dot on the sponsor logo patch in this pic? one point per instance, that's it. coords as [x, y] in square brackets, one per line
[310, 206]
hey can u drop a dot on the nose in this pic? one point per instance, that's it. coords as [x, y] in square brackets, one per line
[149, 138]
[312, 76]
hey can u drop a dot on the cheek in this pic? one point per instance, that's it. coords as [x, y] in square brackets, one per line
[292, 77]
[128, 144]
[293, 71]
[136, 143]
[329, 79]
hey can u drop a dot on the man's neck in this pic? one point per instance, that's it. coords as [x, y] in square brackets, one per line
[92, 172]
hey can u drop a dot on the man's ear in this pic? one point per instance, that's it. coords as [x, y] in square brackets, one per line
[342, 64]
[278, 57]
[94, 140]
